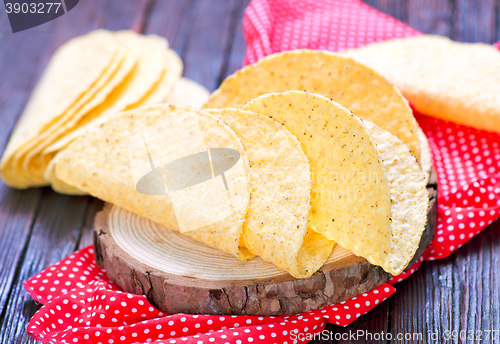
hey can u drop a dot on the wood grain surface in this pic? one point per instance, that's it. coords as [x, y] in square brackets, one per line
[39, 227]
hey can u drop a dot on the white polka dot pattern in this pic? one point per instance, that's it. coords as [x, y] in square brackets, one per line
[279, 25]
[96, 311]
[467, 162]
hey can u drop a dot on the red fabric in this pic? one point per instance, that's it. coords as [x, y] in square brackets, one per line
[467, 162]
[271, 26]
[83, 306]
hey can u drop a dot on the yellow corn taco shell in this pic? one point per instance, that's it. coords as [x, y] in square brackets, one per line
[357, 87]
[408, 195]
[275, 227]
[458, 82]
[188, 93]
[350, 197]
[426, 156]
[29, 157]
[132, 161]
[73, 70]
[149, 83]
[184, 93]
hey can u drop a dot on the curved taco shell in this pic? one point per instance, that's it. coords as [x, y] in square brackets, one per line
[454, 81]
[71, 72]
[341, 79]
[280, 181]
[409, 197]
[155, 74]
[351, 200]
[112, 161]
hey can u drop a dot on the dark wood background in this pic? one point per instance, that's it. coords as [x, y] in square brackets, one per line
[39, 227]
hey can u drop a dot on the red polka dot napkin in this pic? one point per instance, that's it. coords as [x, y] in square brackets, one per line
[271, 26]
[82, 306]
[467, 162]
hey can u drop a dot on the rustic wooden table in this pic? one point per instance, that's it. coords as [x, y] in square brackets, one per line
[39, 227]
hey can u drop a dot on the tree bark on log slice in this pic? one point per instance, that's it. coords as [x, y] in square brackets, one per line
[180, 275]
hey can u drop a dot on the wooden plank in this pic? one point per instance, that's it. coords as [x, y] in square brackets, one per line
[18, 208]
[429, 16]
[4, 23]
[394, 8]
[87, 232]
[208, 40]
[410, 314]
[491, 269]
[202, 33]
[475, 21]
[459, 293]
[461, 20]
[55, 234]
[237, 43]
[497, 22]
[123, 15]
[172, 19]
[18, 211]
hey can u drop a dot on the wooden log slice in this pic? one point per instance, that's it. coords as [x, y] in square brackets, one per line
[181, 275]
